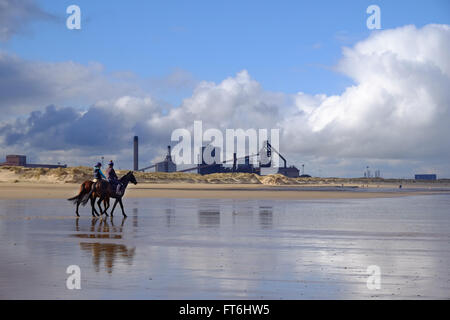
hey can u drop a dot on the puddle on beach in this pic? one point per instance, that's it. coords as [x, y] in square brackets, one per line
[228, 249]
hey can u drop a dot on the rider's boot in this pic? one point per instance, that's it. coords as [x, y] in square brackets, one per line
[119, 189]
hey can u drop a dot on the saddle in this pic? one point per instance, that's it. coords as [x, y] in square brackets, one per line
[116, 186]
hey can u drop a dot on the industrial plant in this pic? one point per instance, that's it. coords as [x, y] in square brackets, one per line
[236, 164]
[21, 161]
[167, 165]
[427, 177]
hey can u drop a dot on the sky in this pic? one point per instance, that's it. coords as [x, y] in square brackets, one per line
[344, 97]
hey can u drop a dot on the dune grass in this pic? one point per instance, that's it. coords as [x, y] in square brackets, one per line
[81, 174]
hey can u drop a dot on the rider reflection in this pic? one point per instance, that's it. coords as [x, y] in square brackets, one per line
[96, 241]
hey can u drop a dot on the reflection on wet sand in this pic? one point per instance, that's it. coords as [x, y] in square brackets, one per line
[111, 253]
[170, 217]
[266, 217]
[209, 216]
[230, 249]
[135, 217]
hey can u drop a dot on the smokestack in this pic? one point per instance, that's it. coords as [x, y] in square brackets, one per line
[136, 153]
[169, 154]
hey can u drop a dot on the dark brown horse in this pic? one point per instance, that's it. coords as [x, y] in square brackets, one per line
[103, 191]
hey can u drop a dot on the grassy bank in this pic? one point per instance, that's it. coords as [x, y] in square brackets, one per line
[80, 174]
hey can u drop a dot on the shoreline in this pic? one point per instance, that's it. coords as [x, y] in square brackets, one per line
[32, 190]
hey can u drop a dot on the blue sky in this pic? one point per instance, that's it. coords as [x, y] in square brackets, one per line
[287, 46]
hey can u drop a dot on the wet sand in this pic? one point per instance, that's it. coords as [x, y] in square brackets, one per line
[216, 191]
[228, 249]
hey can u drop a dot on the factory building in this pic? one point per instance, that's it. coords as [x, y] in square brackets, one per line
[205, 168]
[167, 165]
[290, 172]
[428, 177]
[247, 167]
[21, 161]
[15, 160]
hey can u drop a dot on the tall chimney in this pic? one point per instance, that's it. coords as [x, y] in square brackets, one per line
[136, 153]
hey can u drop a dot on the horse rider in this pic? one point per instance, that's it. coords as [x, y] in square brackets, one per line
[98, 174]
[112, 178]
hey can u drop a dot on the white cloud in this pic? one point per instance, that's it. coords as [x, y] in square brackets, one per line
[237, 102]
[398, 108]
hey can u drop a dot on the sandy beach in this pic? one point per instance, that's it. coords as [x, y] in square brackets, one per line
[63, 183]
[212, 191]
[228, 249]
[224, 237]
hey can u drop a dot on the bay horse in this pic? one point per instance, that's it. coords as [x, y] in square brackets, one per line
[102, 190]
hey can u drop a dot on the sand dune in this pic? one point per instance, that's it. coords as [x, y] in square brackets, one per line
[27, 183]
[80, 174]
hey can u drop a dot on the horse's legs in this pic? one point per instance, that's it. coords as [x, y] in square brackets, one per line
[94, 212]
[114, 206]
[121, 206]
[106, 205]
[78, 205]
[98, 203]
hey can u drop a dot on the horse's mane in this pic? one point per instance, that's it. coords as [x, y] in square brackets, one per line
[123, 178]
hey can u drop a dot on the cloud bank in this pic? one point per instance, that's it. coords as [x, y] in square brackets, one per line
[26, 85]
[396, 113]
[398, 107]
[15, 15]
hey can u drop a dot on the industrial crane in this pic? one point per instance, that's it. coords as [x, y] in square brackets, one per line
[269, 149]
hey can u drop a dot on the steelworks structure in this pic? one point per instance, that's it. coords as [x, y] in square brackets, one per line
[265, 156]
[265, 161]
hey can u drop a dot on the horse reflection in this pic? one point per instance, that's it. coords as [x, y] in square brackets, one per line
[209, 217]
[109, 252]
[266, 217]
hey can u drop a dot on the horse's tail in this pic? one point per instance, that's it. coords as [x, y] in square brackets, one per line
[78, 197]
[87, 196]
[74, 200]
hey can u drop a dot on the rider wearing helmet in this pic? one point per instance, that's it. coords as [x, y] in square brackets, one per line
[112, 177]
[98, 174]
